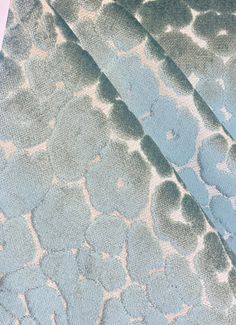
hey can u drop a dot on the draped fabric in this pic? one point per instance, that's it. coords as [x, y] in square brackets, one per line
[118, 163]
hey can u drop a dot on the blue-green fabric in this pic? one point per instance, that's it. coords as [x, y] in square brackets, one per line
[118, 163]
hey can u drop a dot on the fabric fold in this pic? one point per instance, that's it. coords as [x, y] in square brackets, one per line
[96, 226]
[170, 110]
[201, 39]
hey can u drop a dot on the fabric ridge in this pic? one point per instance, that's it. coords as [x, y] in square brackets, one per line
[118, 163]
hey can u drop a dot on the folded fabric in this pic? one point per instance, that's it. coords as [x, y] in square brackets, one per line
[118, 177]
[170, 110]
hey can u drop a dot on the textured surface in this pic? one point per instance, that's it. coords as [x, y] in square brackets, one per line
[99, 124]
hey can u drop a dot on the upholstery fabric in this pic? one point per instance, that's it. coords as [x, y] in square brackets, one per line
[118, 163]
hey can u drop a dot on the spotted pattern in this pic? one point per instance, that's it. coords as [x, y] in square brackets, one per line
[96, 226]
[162, 95]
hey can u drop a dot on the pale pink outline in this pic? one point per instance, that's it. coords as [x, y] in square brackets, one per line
[4, 8]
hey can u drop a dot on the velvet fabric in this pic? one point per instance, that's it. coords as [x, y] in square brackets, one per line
[118, 163]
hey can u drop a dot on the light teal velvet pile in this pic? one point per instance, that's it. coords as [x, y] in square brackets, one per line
[118, 163]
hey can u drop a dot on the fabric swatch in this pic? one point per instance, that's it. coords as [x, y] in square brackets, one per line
[118, 163]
